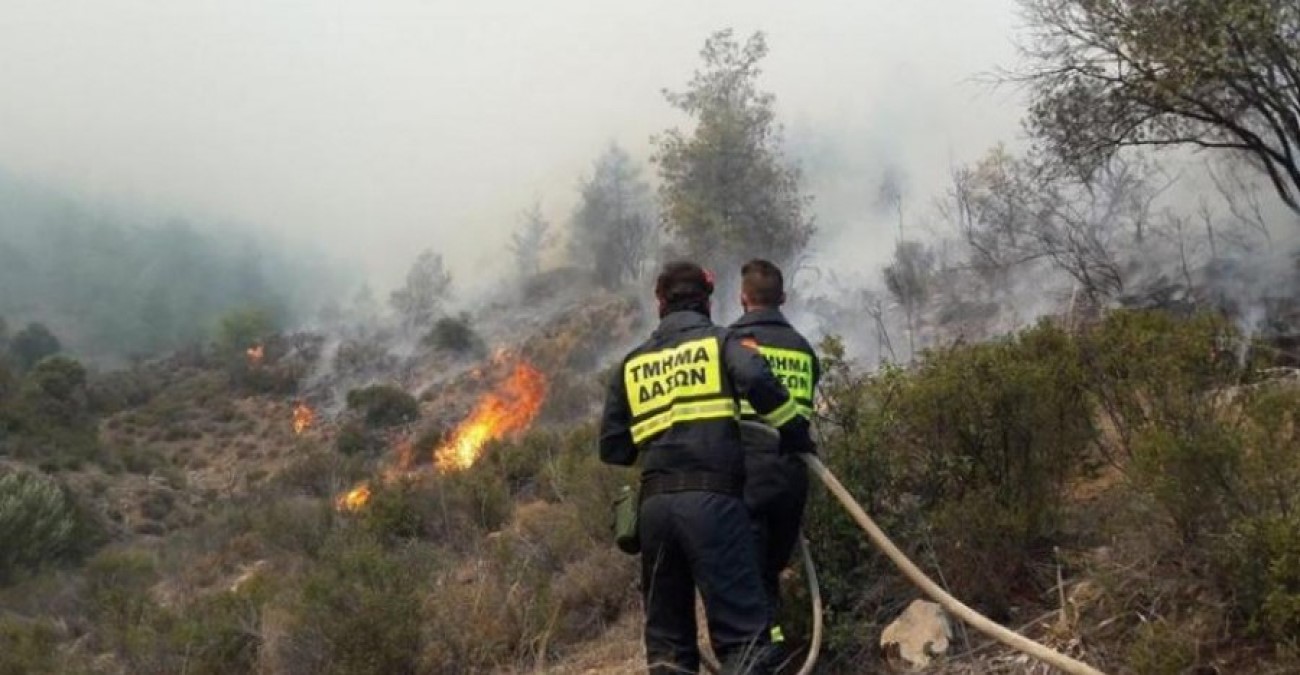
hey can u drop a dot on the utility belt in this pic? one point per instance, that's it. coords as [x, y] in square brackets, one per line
[719, 483]
[627, 505]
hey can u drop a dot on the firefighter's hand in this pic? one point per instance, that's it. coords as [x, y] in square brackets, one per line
[796, 440]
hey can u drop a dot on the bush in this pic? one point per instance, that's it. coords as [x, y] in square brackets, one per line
[27, 647]
[364, 603]
[355, 440]
[39, 524]
[384, 405]
[220, 633]
[455, 334]
[126, 618]
[239, 329]
[31, 344]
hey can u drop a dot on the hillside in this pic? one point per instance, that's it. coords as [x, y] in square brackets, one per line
[316, 503]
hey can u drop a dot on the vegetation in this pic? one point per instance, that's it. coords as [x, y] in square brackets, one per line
[455, 334]
[1210, 74]
[726, 191]
[614, 228]
[427, 288]
[975, 460]
[115, 286]
[384, 405]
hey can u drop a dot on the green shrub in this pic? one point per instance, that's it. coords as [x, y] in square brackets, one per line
[220, 633]
[300, 525]
[364, 602]
[963, 460]
[127, 620]
[384, 405]
[455, 334]
[27, 647]
[1152, 368]
[39, 523]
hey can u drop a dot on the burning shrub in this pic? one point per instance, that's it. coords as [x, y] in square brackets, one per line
[455, 334]
[384, 405]
[239, 329]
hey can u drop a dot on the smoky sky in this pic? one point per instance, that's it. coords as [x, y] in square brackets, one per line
[375, 129]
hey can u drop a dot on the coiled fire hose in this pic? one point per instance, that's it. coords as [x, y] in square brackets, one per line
[915, 575]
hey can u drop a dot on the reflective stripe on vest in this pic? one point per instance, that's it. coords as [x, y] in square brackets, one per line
[795, 371]
[681, 383]
[719, 408]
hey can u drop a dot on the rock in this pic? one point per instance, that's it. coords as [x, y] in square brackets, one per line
[917, 637]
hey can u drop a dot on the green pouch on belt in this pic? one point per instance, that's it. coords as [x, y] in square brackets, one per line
[626, 507]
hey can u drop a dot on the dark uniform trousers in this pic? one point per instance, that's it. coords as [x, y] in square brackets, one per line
[672, 409]
[776, 495]
[701, 538]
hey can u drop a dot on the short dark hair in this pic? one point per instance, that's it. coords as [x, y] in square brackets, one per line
[762, 282]
[683, 281]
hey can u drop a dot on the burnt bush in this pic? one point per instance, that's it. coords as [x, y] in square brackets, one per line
[384, 405]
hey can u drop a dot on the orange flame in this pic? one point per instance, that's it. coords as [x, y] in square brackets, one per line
[511, 408]
[354, 499]
[303, 416]
[255, 354]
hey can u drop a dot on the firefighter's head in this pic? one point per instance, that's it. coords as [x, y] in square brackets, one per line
[683, 285]
[761, 285]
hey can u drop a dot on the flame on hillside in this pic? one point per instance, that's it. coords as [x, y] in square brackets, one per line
[508, 409]
[255, 354]
[303, 416]
[353, 499]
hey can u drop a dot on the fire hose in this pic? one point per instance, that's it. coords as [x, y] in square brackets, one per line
[916, 576]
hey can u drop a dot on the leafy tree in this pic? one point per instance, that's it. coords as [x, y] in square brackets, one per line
[530, 241]
[1218, 74]
[727, 192]
[613, 227]
[32, 344]
[428, 285]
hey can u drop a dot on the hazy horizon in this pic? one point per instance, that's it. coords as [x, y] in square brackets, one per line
[381, 129]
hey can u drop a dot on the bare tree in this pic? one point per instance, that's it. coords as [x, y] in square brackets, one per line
[1013, 211]
[908, 279]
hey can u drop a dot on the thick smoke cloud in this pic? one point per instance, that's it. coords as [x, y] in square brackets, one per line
[375, 130]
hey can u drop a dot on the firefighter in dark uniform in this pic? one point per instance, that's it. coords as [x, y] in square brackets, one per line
[672, 408]
[776, 488]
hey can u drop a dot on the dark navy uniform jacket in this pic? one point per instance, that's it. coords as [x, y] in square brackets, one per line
[674, 401]
[771, 478]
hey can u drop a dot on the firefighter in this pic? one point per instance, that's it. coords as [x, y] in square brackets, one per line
[672, 408]
[776, 487]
